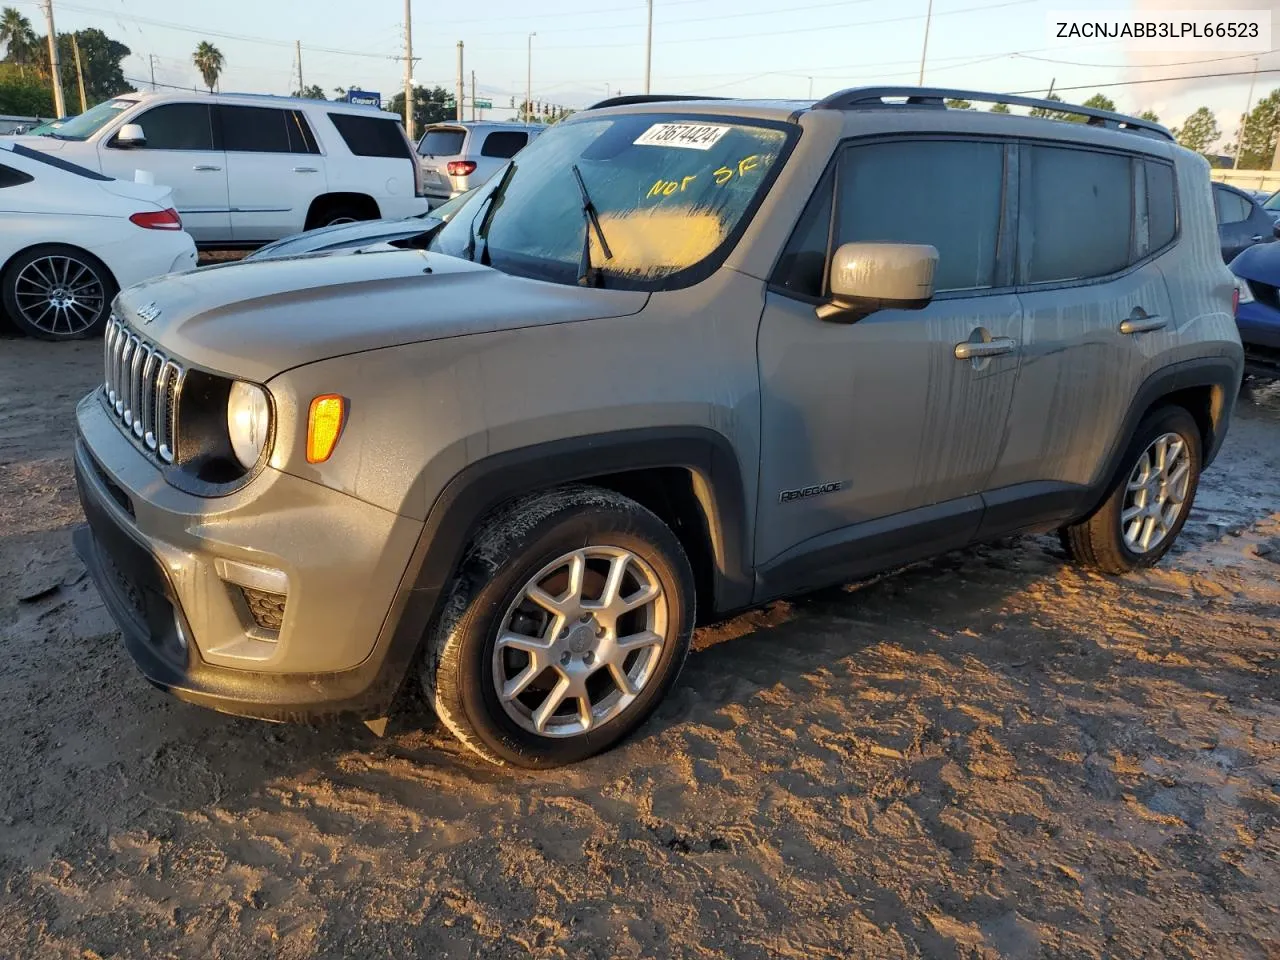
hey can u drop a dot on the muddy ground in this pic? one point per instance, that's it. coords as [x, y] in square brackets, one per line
[992, 754]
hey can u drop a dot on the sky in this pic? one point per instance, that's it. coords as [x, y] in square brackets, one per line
[748, 48]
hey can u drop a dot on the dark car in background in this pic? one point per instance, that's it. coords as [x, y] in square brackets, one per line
[1258, 278]
[1242, 221]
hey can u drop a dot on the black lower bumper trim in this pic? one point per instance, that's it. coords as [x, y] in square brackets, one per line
[144, 605]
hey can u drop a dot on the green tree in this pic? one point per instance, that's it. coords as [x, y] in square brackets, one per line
[209, 61]
[1199, 131]
[21, 42]
[430, 105]
[1149, 115]
[100, 57]
[1047, 113]
[1258, 144]
[956, 103]
[23, 96]
[313, 92]
[1000, 108]
[1100, 101]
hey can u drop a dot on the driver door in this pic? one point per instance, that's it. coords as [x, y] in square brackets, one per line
[182, 152]
[877, 442]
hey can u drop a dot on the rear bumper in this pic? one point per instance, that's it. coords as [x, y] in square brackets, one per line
[178, 620]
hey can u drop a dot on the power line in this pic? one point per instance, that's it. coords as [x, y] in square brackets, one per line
[1130, 83]
[1116, 66]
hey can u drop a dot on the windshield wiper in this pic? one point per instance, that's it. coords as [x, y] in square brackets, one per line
[489, 204]
[588, 275]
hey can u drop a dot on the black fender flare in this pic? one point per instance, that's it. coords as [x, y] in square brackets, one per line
[479, 488]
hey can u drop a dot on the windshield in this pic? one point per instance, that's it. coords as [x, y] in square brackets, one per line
[85, 125]
[669, 192]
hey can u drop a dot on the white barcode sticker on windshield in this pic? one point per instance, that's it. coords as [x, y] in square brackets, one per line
[691, 136]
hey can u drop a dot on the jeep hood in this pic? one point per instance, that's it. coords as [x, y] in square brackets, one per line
[256, 319]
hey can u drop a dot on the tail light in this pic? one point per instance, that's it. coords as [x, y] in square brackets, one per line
[1235, 301]
[461, 168]
[158, 219]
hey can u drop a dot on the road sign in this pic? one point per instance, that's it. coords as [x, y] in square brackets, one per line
[484, 104]
[368, 98]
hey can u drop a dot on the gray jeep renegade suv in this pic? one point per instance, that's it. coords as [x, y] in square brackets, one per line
[679, 358]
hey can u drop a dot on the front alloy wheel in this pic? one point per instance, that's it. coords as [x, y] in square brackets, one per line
[580, 641]
[567, 624]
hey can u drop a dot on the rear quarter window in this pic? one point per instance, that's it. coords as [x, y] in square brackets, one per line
[371, 136]
[504, 143]
[9, 177]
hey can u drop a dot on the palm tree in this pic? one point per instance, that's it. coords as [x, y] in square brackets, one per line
[20, 39]
[208, 60]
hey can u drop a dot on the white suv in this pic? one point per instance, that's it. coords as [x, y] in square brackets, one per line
[247, 169]
[456, 157]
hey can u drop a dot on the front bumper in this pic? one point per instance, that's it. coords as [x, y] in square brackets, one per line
[158, 557]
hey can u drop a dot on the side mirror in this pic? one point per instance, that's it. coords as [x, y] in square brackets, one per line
[866, 277]
[1275, 229]
[131, 135]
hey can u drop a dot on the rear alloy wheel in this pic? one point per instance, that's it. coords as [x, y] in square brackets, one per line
[58, 293]
[1150, 500]
[567, 625]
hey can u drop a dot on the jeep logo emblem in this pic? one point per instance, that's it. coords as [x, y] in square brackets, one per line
[148, 313]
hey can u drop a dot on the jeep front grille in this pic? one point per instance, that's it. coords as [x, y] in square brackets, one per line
[141, 389]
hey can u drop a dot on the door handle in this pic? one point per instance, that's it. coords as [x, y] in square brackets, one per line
[1141, 322]
[971, 350]
[1257, 239]
[305, 170]
[206, 166]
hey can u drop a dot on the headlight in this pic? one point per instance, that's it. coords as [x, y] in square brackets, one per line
[1246, 295]
[248, 422]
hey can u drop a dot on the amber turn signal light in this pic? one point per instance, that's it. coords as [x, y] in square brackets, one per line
[324, 426]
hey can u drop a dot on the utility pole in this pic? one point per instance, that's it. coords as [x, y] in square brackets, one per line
[408, 71]
[1244, 122]
[1275, 160]
[473, 96]
[55, 65]
[297, 46]
[151, 58]
[75, 46]
[528, 82]
[648, 48]
[811, 88]
[460, 89]
[924, 51]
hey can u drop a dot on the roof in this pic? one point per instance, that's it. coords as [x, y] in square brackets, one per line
[254, 100]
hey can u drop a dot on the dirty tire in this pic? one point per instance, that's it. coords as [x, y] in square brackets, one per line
[1098, 541]
[513, 545]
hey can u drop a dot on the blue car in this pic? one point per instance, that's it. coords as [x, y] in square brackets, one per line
[1258, 273]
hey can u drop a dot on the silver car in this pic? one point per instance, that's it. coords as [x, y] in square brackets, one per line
[678, 359]
[456, 157]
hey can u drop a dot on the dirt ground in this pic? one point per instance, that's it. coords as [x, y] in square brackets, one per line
[992, 754]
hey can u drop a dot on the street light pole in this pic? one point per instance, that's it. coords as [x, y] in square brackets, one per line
[528, 80]
[811, 88]
[648, 48]
[924, 51]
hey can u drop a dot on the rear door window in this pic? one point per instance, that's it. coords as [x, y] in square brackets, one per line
[372, 136]
[1076, 211]
[948, 193]
[442, 142]
[178, 126]
[265, 130]
[504, 143]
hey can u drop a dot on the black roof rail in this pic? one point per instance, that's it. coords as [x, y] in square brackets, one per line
[647, 98]
[870, 98]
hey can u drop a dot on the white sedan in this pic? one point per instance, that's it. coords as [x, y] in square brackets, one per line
[70, 238]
